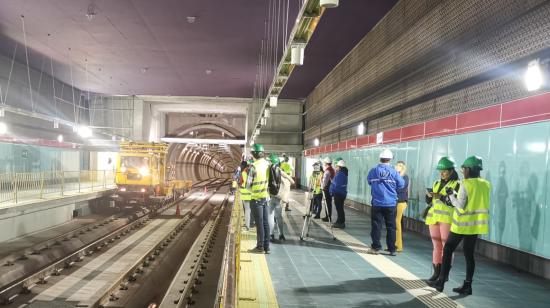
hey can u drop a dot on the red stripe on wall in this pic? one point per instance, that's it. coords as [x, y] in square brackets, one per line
[523, 111]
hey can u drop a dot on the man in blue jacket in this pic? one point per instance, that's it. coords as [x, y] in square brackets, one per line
[384, 181]
[339, 190]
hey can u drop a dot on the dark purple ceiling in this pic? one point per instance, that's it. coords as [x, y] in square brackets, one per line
[337, 33]
[148, 47]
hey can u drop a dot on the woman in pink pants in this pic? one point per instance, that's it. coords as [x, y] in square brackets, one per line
[439, 213]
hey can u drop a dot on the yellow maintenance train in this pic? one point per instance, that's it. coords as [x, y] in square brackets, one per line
[144, 177]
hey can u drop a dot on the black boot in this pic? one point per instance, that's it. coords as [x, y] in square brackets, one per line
[439, 284]
[437, 270]
[466, 288]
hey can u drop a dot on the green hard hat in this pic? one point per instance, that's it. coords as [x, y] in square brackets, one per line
[338, 159]
[256, 147]
[445, 163]
[473, 162]
[274, 158]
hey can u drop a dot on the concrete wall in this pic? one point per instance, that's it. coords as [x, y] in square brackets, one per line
[23, 220]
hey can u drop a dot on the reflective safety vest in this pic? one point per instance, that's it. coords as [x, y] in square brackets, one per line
[245, 193]
[315, 182]
[440, 212]
[259, 184]
[286, 168]
[474, 217]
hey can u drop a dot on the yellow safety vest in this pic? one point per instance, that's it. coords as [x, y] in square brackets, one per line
[259, 184]
[440, 212]
[315, 181]
[286, 168]
[474, 217]
[245, 193]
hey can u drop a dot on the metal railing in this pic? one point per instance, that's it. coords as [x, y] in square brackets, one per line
[26, 186]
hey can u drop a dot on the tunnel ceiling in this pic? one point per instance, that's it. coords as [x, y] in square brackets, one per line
[150, 47]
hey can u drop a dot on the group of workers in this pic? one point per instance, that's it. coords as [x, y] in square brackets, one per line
[458, 210]
[332, 184]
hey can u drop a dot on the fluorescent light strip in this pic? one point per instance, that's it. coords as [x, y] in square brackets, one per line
[203, 141]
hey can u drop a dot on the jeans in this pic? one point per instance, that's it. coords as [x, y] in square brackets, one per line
[379, 215]
[246, 206]
[339, 204]
[275, 216]
[468, 247]
[328, 199]
[260, 213]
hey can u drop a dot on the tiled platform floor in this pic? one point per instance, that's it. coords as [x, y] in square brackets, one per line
[322, 272]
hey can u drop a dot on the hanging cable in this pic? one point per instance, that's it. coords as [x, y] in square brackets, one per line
[286, 23]
[53, 88]
[11, 71]
[27, 59]
[277, 36]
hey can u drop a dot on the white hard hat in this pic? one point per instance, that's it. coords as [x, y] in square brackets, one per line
[316, 167]
[327, 160]
[386, 154]
[341, 163]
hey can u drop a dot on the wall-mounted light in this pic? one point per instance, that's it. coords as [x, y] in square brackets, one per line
[533, 76]
[316, 142]
[329, 3]
[84, 131]
[361, 129]
[3, 128]
[55, 124]
[60, 138]
[273, 101]
[267, 112]
[2, 112]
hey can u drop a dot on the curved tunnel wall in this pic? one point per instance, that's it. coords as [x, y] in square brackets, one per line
[200, 162]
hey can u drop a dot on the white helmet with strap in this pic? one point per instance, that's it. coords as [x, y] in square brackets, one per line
[327, 160]
[386, 154]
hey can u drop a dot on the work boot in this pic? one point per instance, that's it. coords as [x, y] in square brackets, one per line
[437, 270]
[287, 208]
[256, 250]
[339, 225]
[372, 251]
[325, 218]
[439, 284]
[282, 238]
[466, 288]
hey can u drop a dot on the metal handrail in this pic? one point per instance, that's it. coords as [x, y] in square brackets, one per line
[25, 186]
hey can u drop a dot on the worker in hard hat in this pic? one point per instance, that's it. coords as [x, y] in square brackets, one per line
[439, 212]
[339, 190]
[470, 219]
[314, 184]
[284, 193]
[287, 168]
[245, 194]
[328, 175]
[384, 181]
[257, 183]
[274, 186]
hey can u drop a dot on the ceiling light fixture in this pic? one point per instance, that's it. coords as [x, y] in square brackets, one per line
[84, 131]
[3, 128]
[273, 101]
[91, 12]
[191, 19]
[2, 112]
[329, 4]
[60, 138]
[361, 129]
[316, 142]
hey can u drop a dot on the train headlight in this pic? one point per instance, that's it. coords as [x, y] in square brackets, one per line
[144, 171]
[122, 169]
[143, 190]
[122, 189]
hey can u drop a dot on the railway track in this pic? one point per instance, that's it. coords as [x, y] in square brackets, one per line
[87, 277]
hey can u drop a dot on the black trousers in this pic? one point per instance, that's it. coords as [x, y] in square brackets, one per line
[339, 204]
[328, 199]
[468, 247]
[381, 215]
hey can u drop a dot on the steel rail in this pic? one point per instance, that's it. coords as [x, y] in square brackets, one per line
[179, 293]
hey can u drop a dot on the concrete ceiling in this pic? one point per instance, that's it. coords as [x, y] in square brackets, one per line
[149, 47]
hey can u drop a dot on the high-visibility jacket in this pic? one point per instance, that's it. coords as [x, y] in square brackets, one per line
[474, 217]
[245, 193]
[315, 182]
[259, 182]
[440, 212]
[286, 168]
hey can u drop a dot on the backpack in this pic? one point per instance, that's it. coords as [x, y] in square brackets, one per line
[274, 181]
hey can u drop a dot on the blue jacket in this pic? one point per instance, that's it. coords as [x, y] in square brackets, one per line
[339, 185]
[384, 181]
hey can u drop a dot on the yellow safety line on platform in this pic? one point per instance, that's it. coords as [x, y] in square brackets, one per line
[405, 279]
[255, 285]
